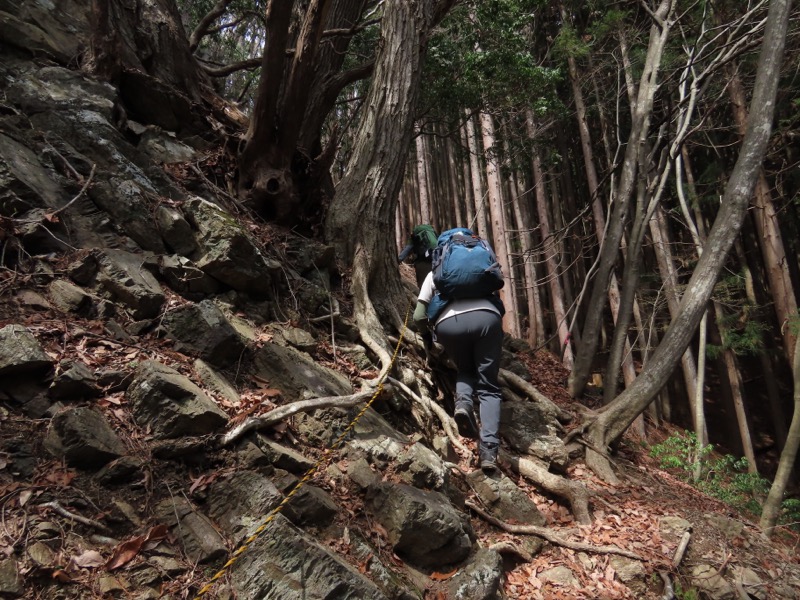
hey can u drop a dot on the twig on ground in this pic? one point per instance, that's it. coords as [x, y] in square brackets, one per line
[681, 549]
[57, 508]
[547, 534]
[509, 548]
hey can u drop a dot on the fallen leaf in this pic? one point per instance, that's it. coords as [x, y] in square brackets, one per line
[125, 553]
[62, 576]
[88, 560]
[443, 576]
[24, 496]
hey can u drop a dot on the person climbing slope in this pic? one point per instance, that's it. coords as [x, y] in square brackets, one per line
[458, 300]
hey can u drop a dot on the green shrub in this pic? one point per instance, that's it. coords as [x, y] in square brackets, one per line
[725, 478]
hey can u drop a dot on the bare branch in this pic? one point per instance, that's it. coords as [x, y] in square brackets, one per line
[547, 534]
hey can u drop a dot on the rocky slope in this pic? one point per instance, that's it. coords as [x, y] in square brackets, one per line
[173, 373]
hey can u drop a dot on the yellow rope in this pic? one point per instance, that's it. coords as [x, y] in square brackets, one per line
[309, 474]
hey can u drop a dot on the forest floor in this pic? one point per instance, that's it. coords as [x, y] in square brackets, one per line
[627, 516]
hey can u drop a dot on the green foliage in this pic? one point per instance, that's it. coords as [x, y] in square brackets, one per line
[482, 54]
[681, 594]
[725, 478]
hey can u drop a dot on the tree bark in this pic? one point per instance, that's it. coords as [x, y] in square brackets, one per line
[738, 191]
[366, 197]
[769, 235]
[477, 181]
[498, 224]
[610, 249]
[772, 506]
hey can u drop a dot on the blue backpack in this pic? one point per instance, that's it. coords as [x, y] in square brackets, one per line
[464, 266]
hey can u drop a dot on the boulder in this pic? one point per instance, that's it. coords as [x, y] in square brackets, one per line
[186, 278]
[529, 430]
[20, 352]
[175, 230]
[199, 539]
[285, 562]
[74, 382]
[83, 437]
[203, 330]
[422, 526]
[240, 502]
[480, 579]
[296, 374]
[170, 405]
[123, 277]
[69, 297]
[227, 252]
[215, 381]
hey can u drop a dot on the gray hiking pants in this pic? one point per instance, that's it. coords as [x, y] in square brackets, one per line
[474, 341]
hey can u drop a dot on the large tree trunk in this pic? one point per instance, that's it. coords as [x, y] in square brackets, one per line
[362, 210]
[628, 405]
[772, 506]
[477, 181]
[769, 235]
[141, 47]
[498, 226]
[610, 249]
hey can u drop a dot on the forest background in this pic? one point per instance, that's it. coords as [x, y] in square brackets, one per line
[594, 144]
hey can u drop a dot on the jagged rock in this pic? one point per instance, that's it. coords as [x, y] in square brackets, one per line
[215, 381]
[296, 374]
[310, 505]
[250, 456]
[24, 183]
[422, 526]
[10, 580]
[114, 380]
[380, 441]
[175, 230]
[75, 381]
[109, 585]
[390, 582]
[240, 502]
[20, 352]
[299, 338]
[730, 528]
[83, 437]
[505, 500]
[122, 276]
[163, 146]
[528, 430]
[203, 329]
[707, 579]
[128, 202]
[362, 474]
[630, 572]
[120, 470]
[83, 270]
[226, 250]
[282, 457]
[480, 579]
[422, 467]
[285, 562]
[560, 575]
[186, 278]
[199, 539]
[170, 405]
[752, 584]
[70, 298]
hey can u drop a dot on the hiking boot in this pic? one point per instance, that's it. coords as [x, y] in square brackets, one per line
[488, 457]
[465, 420]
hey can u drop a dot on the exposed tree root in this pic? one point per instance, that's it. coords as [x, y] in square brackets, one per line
[518, 383]
[547, 534]
[575, 493]
[513, 549]
[284, 412]
[447, 423]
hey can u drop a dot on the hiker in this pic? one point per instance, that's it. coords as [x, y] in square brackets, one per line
[459, 301]
[421, 244]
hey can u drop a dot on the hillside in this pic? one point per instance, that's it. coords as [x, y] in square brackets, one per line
[173, 371]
